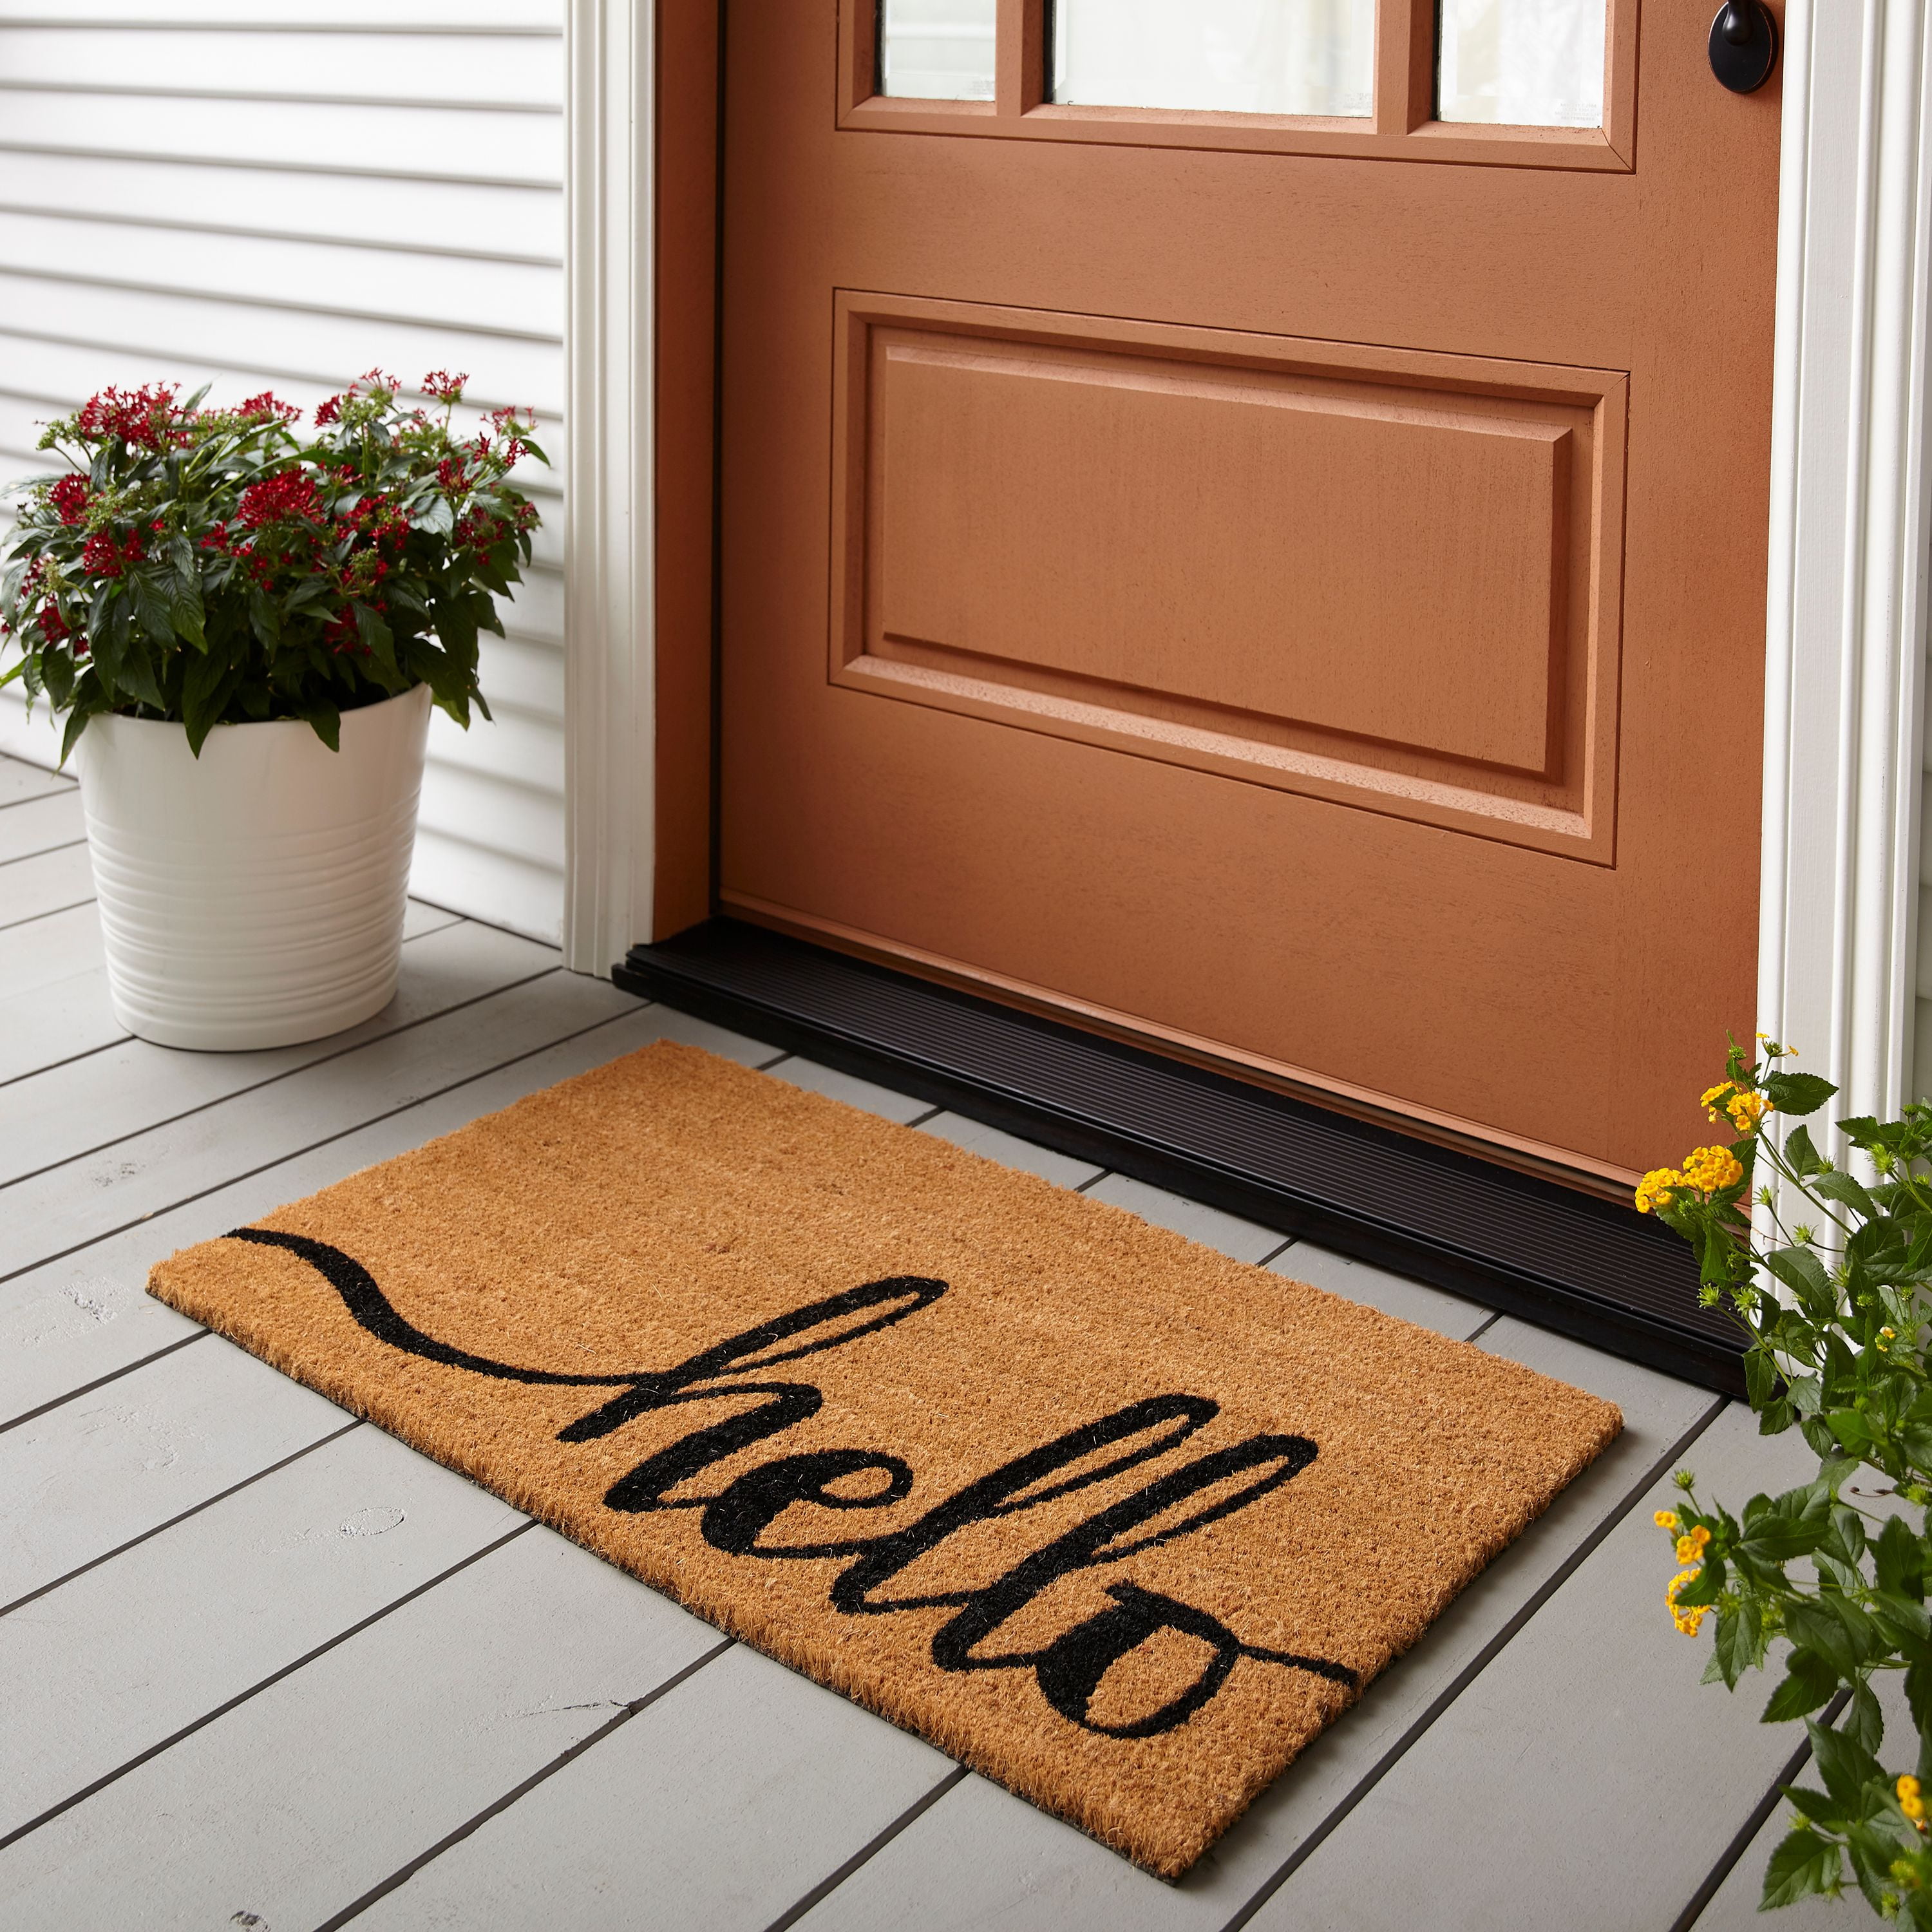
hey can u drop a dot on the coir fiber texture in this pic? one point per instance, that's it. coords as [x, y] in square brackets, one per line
[1115, 1520]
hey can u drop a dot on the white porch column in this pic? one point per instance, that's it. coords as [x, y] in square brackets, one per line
[609, 669]
[1847, 632]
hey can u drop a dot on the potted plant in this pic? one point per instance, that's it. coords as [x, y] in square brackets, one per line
[245, 630]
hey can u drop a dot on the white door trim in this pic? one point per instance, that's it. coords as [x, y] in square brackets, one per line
[610, 691]
[1846, 637]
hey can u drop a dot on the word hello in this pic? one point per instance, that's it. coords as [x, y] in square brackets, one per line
[738, 1518]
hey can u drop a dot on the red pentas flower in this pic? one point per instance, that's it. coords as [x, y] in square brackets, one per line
[146, 417]
[283, 539]
[103, 557]
[286, 498]
[267, 407]
[69, 497]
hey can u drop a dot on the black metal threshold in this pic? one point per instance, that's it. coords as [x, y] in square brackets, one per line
[1567, 1260]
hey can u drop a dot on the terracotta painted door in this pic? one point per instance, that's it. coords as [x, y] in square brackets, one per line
[1285, 586]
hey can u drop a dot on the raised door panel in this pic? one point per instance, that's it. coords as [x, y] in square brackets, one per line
[1390, 579]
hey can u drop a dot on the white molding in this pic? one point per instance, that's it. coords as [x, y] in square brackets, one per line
[610, 663]
[1846, 636]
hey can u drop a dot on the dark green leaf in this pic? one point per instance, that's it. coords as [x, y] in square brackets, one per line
[1840, 1186]
[1899, 1559]
[1902, 1619]
[1809, 1681]
[1800, 1152]
[76, 723]
[1803, 1273]
[1797, 1094]
[1844, 1764]
[1738, 1647]
[1919, 1700]
[1816, 1806]
[375, 636]
[1803, 1865]
[1863, 1722]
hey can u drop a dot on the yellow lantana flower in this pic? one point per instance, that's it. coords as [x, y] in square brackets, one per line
[1743, 1106]
[1689, 1621]
[1666, 1519]
[1656, 1189]
[1909, 1802]
[1687, 1548]
[1709, 1169]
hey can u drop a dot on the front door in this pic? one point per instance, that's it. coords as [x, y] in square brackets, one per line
[1243, 523]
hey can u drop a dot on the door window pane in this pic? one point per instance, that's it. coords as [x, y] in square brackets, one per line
[936, 49]
[1528, 63]
[1232, 56]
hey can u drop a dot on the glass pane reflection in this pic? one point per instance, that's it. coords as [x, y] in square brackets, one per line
[1527, 63]
[1231, 56]
[936, 49]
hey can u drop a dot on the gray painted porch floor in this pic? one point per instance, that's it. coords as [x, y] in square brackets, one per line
[260, 1665]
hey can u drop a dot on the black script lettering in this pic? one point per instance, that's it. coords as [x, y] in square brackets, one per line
[734, 1521]
[1012, 1487]
[1092, 1543]
[1069, 1670]
[817, 1326]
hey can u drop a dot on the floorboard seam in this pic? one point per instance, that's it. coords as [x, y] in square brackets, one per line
[73, 1059]
[833, 1880]
[327, 1140]
[262, 1086]
[65, 845]
[101, 1381]
[1471, 1671]
[274, 1677]
[1276, 1254]
[404, 1873]
[1482, 1327]
[1741, 1843]
[52, 912]
[194, 1510]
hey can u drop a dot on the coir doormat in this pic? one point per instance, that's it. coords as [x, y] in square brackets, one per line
[1115, 1520]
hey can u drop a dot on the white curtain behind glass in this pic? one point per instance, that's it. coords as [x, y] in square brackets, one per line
[1526, 63]
[936, 49]
[1234, 56]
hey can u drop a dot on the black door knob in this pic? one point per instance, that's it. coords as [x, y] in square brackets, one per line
[1744, 45]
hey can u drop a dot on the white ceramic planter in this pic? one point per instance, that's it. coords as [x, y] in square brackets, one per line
[253, 897]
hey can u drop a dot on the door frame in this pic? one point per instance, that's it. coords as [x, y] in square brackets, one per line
[1846, 635]
[1850, 515]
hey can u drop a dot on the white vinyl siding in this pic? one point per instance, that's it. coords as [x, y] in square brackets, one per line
[281, 194]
